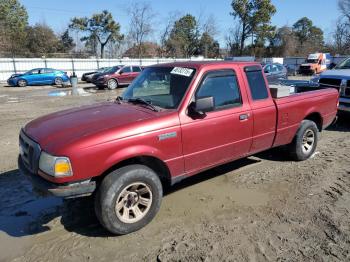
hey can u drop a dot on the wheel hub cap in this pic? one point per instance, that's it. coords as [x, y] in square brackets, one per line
[308, 141]
[133, 203]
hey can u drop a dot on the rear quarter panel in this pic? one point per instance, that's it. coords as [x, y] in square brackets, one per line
[293, 109]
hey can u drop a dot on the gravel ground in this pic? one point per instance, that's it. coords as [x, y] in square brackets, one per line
[262, 208]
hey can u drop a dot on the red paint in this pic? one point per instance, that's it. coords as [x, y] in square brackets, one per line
[97, 137]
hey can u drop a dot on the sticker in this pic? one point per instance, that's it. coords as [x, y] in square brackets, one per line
[182, 71]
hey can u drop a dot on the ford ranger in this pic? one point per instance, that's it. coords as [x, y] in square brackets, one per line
[174, 121]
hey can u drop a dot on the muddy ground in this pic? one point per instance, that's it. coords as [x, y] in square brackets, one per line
[262, 208]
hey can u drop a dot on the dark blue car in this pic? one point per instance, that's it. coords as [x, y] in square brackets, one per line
[39, 76]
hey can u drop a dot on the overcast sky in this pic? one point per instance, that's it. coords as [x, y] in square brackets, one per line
[57, 14]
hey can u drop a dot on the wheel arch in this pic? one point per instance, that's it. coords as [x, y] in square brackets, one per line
[317, 118]
[152, 162]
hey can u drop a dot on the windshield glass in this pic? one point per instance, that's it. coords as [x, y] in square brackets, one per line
[161, 86]
[112, 69]
[312, 61]
[344, 64]
[32, 72]
[103, 69]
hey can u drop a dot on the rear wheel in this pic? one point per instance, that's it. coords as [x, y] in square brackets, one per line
[305, 141]
[112, 84]
[58, 81]
[128, 199]
[22, 83]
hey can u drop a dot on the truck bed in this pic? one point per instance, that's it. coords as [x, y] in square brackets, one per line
[300, 105]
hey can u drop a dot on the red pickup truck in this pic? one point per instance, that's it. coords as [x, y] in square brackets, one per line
[174, 121]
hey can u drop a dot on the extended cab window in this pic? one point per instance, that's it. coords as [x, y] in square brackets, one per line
[223, 87]
[256, 81]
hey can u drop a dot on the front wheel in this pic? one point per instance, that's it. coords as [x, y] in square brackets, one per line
[112, 84]
[58, 81]
[22, 83]
[305, 141]
[128, 199]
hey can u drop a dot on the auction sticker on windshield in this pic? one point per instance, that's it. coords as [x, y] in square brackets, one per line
[182, 71]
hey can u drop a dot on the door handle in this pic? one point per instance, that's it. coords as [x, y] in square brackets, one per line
[243, 117]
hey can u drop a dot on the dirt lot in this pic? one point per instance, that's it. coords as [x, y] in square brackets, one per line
[263, 208]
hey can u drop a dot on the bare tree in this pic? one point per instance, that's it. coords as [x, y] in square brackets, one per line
[341, 37]
[165, 32]
[141, 18]
[233, 39]
[344, 7]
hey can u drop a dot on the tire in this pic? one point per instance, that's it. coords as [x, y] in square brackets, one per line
[58, 81]
[134, 187]
[22, 83]
[112, 84]
[305, 141]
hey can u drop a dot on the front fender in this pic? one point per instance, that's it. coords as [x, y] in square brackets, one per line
[131, 152]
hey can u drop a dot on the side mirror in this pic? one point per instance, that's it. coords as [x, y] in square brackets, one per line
[267, 71]
[201, 106]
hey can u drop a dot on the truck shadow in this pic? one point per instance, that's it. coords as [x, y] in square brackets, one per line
[23, 213]
[342, 124]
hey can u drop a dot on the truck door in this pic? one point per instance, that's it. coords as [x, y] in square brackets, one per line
[264, 111]
[224, 133]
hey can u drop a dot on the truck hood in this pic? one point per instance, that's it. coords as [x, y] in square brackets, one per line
[67, 126]
[343, 73]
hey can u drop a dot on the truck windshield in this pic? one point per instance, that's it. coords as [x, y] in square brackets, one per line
[312, 61]
[344, 64]
[163, 87]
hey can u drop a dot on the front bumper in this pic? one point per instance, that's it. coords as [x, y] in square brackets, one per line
[11, 82]
[306, 71]
[66, 190]
[99, 82]
[344, 104]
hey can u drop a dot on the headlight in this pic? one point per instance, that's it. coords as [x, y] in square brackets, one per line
[55, 166]
[315, 79]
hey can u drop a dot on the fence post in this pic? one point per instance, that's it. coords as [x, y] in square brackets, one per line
[73, 69]
[14, 64]
[45, 62]
[98, 63]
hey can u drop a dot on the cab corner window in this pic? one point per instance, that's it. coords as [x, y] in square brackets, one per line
[257, 84]
[223, 87]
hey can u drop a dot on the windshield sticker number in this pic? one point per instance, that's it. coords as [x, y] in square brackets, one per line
[182, 71]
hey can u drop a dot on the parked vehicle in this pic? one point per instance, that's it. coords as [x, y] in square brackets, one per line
[116, 76]
[315, 64]
[86, 77]
[39, 76]
[275, 73]
[174, 121]
[339, 78]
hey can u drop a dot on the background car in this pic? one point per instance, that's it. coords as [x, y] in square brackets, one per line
[275, 73]
[39, 76]
[116, 76]
[88, 76]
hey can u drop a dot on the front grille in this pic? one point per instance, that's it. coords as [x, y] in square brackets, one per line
[305, 67]
[347, 92]
[30, 152]
[330, 82]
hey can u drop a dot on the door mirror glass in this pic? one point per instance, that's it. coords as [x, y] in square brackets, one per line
[201, 106]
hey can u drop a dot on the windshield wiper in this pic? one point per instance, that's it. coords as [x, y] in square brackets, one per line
[143, 102]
